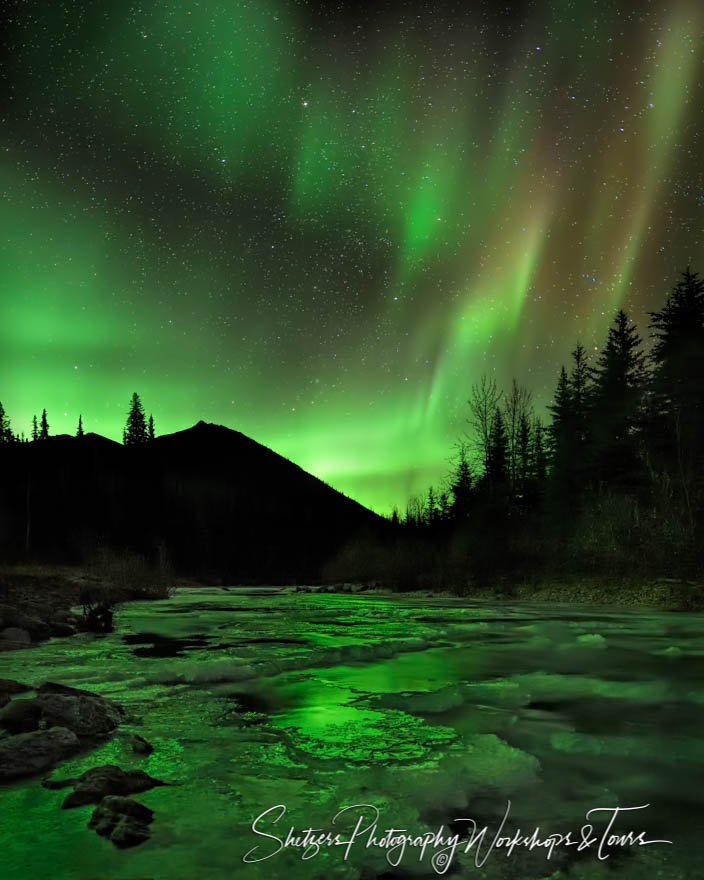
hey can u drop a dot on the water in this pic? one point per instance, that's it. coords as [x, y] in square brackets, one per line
[429, 710]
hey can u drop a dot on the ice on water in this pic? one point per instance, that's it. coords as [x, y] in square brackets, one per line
[431, 710]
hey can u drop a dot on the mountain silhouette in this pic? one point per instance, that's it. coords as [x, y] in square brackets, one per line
[222, 505]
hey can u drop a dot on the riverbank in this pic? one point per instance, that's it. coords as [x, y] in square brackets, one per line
[48, 593]
[38, 601]
[662, 594]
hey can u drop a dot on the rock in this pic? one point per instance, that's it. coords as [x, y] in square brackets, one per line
[83, 712]
[21, 716]
[141, 746]
[29, 753]
[124, 821]
[85, 715]
[10, 686]
[96, 715]
[95, 784]
[15, 637]
[127, 806]
[54, 784]
[37, 629]
[63, 629]
[4, 699]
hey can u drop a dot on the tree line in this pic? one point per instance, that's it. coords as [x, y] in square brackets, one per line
[137, 431]
[613, 481]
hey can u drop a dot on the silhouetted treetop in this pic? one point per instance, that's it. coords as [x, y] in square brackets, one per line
[135, 433]
[5, 430]
[44, 427]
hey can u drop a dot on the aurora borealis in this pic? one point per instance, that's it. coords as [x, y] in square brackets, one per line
[319, 223]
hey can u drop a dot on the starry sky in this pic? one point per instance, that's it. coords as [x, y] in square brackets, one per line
[320, 223]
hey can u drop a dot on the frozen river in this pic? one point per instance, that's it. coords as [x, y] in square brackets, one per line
[428, 711]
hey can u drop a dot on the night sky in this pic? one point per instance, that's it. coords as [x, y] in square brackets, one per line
[319, 223]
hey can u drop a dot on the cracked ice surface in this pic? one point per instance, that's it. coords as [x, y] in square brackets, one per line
[430, 710]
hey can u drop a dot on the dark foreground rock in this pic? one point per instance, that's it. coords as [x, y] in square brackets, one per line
[84, 714]
[140, 745]
[99, 782]
[12, 618]
[21, 716]
[29, 753]
[12, 637]
[124, 821]
[55, 705]
[10, 686]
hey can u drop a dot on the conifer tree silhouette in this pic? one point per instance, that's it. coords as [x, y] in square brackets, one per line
[497, 471]
[678, 356]
[618, 383]
[676, 403]
[461, 485]
[135, 433]
[5, 429]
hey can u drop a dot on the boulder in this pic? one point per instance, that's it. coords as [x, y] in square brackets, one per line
[14, 637]
[83, 712]
[21, 716]
[29, 753]
[37, 628]
[141, 746]
[95, 784]
[124, 821]
[10, 686]
[85, 716]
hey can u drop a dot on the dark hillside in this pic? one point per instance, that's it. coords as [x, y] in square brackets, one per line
[221, 505]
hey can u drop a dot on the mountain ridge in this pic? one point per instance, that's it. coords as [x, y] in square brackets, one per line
[220, 504]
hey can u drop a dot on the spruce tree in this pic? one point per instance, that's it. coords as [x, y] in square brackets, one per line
[497, 470]
[562, 433]
[79, 431]
[561, 428]
[581, 395]
[461, 485]
[678, 361]
[44, 427]
[150, 427]
[135, 433]
[618, 384]
[35, 428]
[5, 429]
[431, 507]
[676, 403]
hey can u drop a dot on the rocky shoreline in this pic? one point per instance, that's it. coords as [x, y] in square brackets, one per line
[41, 727]
[36, 607]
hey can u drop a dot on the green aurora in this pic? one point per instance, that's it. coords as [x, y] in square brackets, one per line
[320, 226]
